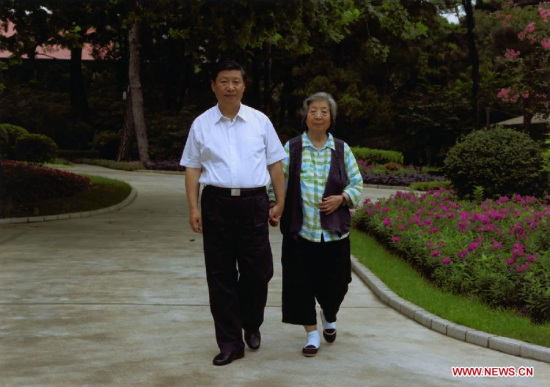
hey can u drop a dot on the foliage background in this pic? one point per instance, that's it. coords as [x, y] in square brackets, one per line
[401, 73]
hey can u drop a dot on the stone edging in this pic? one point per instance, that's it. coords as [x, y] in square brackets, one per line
[129, 199]
[456, 331]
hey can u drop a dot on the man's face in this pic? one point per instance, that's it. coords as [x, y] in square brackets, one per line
[228, 87]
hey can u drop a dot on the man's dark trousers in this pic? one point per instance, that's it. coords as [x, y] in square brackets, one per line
[239, 263]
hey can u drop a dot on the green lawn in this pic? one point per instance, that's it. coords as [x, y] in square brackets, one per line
[103, 193]
[399, 276]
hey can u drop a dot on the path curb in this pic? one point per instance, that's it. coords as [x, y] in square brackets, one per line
[73, 215]
[456, 331]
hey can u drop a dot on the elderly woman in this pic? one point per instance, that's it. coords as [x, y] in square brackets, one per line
[323, 182]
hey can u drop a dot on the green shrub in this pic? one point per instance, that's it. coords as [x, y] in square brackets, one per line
[377, 156]
[430, 185]
[13, 132]
[3, 142]
[501, 161]
[36, 148]
[107, 144]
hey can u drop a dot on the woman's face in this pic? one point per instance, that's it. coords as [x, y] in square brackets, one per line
[318, 116]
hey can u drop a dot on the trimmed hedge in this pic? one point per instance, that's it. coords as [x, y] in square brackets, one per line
[36, 148]
[9, 134]
[377, 156]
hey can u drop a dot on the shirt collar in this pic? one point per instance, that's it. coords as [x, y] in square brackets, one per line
[329, 144]
[241, 114]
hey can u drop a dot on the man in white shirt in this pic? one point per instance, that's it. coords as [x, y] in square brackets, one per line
[234, 151]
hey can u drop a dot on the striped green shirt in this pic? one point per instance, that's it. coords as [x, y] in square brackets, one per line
[313, 179]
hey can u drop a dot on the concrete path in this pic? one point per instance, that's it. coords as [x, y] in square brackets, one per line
[120, 299]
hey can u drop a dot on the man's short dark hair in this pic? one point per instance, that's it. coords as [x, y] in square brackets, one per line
[226, 65]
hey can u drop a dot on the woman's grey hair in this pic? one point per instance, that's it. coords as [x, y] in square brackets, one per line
[320, 96]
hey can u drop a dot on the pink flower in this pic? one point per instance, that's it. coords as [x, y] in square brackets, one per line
[433, 230]
[462, 225]
[545, 44]
[544, 14]
[511, 54]
[464, 215]
[446, 260]
[532, 257]
[436, 253]
[503, 199]
[473, 246]
[496, 245]
[462, 253]
[395, 239]
[517, 250]
[387, 221]
[530, 28]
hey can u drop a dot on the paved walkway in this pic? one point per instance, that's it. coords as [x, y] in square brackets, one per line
[120, 299]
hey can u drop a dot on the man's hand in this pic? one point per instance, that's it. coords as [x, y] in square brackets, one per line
[195, 220]
[192, 190]
[275, 212]
[331, 204]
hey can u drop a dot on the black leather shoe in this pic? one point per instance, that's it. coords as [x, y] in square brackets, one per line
[224, 358]
[329, 335]
[310, 350]
[253, 339]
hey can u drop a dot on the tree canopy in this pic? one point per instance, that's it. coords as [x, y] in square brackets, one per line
[404, 77]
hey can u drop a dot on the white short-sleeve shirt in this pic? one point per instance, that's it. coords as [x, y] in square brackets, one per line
[233, 154]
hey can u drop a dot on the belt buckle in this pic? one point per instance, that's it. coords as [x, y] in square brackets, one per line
[235, 192]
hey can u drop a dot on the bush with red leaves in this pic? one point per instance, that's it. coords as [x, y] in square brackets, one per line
[26, 183]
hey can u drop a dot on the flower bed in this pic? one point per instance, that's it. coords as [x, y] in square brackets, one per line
[498, 251]
[394, 174]
[26, 183]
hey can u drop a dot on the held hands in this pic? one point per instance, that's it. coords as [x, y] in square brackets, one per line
[275, 212]
[331, 204]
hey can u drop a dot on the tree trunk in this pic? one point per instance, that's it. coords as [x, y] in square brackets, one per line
[474, 58]
[127, 131]
[3, 193]
[136, 93]
[79, 101]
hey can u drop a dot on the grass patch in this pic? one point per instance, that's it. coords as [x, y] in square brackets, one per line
[123, 166]
[400, 277]
[59, 162]
[104, 192]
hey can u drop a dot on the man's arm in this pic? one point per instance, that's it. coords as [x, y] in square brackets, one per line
[192, 189]
[278, 182]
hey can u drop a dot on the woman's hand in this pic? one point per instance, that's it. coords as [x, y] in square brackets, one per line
[331, 204]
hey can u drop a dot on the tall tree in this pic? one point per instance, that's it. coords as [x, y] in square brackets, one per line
[136, 92]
